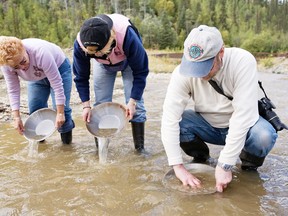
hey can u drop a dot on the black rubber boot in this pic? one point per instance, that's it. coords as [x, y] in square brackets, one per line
[250, 162]
[96, 143]
[197, 149]
[66, 137]
[138, 129]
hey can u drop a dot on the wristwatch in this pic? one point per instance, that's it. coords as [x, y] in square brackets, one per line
[226, 167]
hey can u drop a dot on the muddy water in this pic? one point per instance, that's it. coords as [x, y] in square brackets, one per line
[69, 180]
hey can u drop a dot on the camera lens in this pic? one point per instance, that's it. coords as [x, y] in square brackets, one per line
[265, 110]
[276, 122]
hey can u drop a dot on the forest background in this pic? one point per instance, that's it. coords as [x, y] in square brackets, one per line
[255, 25]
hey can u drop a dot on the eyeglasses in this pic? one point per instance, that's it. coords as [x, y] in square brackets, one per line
[101, 52]
[214, 62]
[22, 62]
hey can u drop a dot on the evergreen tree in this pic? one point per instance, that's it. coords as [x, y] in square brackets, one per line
[167, 36]
[162, 23]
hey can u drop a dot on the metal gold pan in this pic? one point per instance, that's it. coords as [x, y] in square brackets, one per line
[40, 124]
[107, 120]
[203, 172]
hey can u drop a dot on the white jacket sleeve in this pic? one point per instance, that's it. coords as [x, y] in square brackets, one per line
[245, 105]
[176, 100]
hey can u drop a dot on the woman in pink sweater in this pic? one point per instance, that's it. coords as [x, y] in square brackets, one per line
[48, 72]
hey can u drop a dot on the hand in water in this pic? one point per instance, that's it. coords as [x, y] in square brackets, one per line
[186, 177]
[18, 125]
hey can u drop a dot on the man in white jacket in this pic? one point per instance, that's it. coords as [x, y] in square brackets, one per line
[215, 119]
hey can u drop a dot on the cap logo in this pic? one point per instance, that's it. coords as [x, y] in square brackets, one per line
[195, 51]
[91, 44]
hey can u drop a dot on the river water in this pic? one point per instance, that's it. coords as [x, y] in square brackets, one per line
[69, 179]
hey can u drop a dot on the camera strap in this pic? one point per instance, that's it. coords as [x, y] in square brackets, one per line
[220, 91]
[278, 125]
[260, 85]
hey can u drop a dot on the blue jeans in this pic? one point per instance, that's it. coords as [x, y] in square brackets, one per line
[104, 84]
[260, 139]
[39, 91]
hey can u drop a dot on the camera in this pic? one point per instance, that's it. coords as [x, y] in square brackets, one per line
[265, 107]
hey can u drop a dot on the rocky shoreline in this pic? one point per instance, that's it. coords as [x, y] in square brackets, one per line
[280, 66]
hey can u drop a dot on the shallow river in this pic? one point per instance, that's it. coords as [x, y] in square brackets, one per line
[69, 180]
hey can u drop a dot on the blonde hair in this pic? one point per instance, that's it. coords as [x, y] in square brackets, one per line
[10, 48]
[107, 48]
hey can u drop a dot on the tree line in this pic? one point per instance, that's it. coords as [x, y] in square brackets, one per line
[256, 25]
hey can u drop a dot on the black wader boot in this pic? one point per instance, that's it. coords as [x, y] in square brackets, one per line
[96, 143]
[196, 149]
[249, 161]
[66, 137]
[138, 129]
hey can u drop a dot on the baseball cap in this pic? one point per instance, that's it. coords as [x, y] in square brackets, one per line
[200, 48]
[95, 31]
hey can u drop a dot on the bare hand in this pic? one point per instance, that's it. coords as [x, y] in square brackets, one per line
[60, 120]
[18, 125]
[223, 178]
[86, 114]
[186, 177]
[131, 109]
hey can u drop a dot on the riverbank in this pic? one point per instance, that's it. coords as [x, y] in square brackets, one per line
[274, 66]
